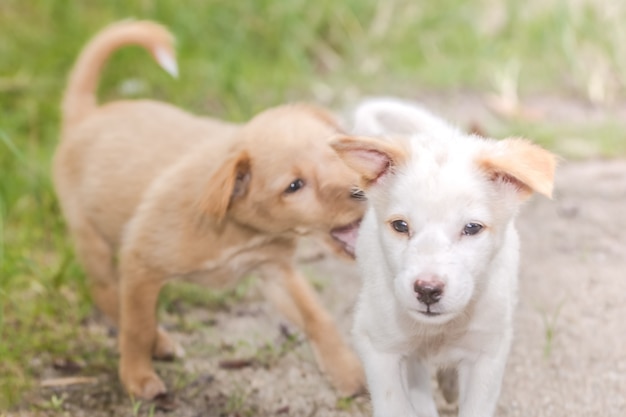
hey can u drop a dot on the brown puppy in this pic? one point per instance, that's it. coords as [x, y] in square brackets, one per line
[151, 194]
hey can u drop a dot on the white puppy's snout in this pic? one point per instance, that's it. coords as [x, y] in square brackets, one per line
[428, 289]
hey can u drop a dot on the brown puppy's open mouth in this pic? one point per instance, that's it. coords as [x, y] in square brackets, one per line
[346, 236]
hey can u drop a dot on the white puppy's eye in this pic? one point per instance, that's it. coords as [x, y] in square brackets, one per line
[294, 186]
[471, 229]
[400, 226]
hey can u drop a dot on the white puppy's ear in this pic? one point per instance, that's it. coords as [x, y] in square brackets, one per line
[371, 158]
[518, 162]
[389, 116]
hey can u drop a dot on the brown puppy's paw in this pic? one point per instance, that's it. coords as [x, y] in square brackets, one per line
[346, 373]
[143, 385]
[449, 384]
[166, 348]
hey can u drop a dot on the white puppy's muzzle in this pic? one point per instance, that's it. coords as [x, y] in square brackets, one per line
[433, 298]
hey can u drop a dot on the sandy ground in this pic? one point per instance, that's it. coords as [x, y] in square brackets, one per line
[568, 357]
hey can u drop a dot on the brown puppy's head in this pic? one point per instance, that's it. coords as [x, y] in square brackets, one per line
[286, 179]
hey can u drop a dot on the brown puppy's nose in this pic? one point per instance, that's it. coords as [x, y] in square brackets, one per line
[429, 291]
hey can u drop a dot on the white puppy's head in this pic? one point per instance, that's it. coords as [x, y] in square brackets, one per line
[442, 204]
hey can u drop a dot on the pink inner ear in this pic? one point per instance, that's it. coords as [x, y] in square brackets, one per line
[374, 162]
[509, 179]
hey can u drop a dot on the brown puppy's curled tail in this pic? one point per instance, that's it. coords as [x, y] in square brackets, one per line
[80, 95]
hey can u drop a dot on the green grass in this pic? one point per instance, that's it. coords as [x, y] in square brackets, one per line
[236, 58]
[550, 328]
[573, 141]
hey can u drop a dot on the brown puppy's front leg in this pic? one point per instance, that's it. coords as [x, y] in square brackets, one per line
[292, 294]
[140, 289]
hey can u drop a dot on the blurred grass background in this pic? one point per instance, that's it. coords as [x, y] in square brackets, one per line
[237, 57]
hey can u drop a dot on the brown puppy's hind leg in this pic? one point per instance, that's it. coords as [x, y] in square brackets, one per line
[96, 256]
[293, 296]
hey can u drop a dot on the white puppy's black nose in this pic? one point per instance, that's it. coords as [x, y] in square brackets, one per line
[429, 291]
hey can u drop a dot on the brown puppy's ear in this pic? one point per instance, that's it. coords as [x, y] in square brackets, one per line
[526, 166]
[371, 158]
[229, 182]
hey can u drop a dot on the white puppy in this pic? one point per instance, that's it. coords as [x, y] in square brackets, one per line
[438, 253]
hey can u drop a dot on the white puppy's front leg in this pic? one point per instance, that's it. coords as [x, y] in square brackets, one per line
[386, 380]
[420, 391]
[480, 381]
[391, 386]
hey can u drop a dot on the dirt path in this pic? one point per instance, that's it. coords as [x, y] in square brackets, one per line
[568, 357]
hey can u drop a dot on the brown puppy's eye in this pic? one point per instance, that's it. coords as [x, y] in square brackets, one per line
[400, 226]
[472, 229]
[294, 186]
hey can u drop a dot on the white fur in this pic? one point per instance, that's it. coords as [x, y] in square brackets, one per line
[167, 61]
[384, 116]
[437, 192]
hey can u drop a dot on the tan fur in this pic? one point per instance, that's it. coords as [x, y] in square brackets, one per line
[173, 196]
[523, 163]
[371, 158]
[80, 98]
